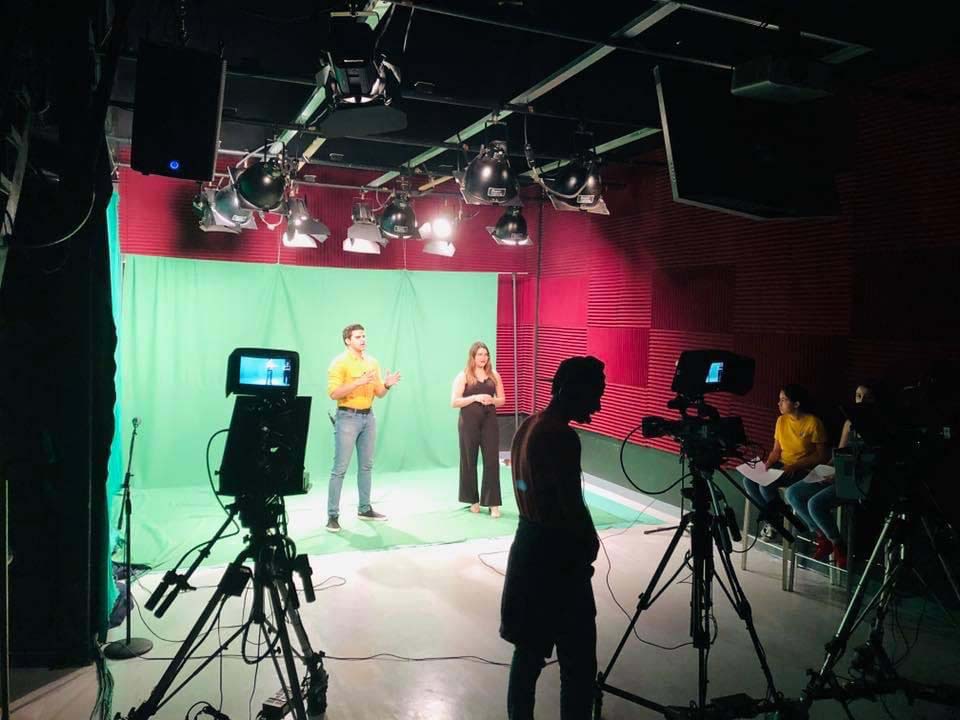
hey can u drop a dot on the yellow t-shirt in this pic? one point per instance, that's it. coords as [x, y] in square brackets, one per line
[347, 367]
[798, 437]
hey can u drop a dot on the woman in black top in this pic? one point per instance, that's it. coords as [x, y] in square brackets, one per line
[478, 392]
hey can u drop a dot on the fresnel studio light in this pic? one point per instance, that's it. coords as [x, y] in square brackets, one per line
[511, 228]
[364, 235]
[437, 234]
[398, 220]
[577, 185]
[488, 179]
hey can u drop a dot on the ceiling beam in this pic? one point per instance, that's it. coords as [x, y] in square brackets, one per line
[551, 82]
[845, 50]
[611, 43]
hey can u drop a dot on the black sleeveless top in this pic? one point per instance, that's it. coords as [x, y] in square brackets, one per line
[485, 387]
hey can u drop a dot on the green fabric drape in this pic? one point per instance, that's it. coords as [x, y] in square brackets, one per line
[182, 318]
[115, 463]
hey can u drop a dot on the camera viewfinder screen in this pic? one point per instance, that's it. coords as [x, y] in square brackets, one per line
[271, 372]
[714, 373]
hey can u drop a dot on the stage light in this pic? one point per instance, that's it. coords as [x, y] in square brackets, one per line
[302, 231]
[220, 211]
[398, 220]
[363, 236]
[577, 186]
[489, 179]
[358, 81]
[437, 233]
[441, 227]
[262, 185]
[439, 247]
[511, 229]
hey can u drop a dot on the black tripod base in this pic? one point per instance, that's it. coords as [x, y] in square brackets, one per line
[124, 650]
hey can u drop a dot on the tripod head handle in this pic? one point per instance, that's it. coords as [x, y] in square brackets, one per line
[301, 566]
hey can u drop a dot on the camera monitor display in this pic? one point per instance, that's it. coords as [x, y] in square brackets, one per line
[274, 372]
[704, 371]
[263, 372]
[714, 373]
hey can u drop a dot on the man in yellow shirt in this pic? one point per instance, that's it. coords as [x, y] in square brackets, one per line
[353, 380]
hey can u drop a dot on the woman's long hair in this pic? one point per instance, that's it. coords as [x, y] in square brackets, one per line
[468, 372]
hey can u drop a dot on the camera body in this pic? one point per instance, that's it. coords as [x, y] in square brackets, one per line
[267, 441]
[704, 437]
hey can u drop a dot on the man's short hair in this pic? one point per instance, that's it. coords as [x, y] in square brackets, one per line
[348, 331]
[579, 370]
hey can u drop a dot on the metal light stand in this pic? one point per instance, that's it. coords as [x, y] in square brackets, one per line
[129, 647]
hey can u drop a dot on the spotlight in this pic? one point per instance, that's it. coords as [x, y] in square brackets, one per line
[303, 231]
[364, 235]
[398, 221]
[358, 80]
[440, 247]
[489, 179]
[261, 185]
[220, 211]
[578, 185]
[438, 234]
[511, 229]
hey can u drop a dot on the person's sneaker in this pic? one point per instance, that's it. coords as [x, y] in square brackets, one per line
[371, 514]
[822, 548]
[333, 525]
[768, 533]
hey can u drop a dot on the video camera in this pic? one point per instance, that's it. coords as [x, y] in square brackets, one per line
[267, 440]
[705, 437]
[896, 438]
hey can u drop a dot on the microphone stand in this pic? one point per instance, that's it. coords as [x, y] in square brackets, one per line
[129, 647]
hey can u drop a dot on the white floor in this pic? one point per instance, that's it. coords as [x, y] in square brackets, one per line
[443, 601]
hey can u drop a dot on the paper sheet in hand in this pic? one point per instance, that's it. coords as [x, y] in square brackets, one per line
[820, 473]
[759, 473]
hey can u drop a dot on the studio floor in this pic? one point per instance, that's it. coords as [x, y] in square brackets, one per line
[411, 633]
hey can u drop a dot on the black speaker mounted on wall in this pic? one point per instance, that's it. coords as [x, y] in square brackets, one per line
[176, 116]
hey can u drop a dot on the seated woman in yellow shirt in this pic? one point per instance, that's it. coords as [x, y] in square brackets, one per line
[799, 445]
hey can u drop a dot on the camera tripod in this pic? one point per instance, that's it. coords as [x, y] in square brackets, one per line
[709, 529]
[878, 673]
[272, 575]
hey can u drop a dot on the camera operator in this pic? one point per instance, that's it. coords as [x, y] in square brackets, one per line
[547, 595]
[799, 445]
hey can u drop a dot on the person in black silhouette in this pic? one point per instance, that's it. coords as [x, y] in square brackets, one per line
[547, 595]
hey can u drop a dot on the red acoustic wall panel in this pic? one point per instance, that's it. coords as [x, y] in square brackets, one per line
[624, 351]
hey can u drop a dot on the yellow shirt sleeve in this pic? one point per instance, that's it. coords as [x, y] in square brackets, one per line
[819, 432]
[336, 375]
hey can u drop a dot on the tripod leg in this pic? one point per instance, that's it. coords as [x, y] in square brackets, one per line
[295, 696]
[232, 583]
[646, 599]
[947, 570]
[738, 598]
[316, 674]
[852, 617]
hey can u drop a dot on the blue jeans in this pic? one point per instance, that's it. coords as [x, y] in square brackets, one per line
[814, 504]
[352, 430]
[763, 495]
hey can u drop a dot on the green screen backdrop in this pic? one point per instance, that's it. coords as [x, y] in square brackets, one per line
[182, 318]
